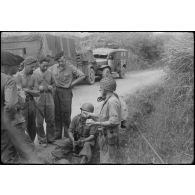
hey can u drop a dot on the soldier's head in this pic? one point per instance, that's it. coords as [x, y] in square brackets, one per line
[107, 85]
[44, 63]
[30, 64]
[61, 59]
[10, 63]
[86, 107]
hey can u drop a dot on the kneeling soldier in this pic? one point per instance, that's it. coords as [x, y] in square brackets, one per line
[81, 136]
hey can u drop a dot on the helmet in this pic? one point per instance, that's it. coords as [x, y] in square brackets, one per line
[108, 83]
[87, 107]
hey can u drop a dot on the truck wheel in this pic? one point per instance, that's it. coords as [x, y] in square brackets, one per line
[106, 72]
[122, 72]
[91, 76]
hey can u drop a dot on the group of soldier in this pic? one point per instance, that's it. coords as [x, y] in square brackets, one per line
[44, 93]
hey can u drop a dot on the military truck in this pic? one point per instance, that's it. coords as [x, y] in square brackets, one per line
[110, 61]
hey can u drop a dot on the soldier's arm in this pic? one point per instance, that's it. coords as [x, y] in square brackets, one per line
[114, 118]
[11, 96]
[91, 137]
[34, 92]
[78, 74]
[19, 141]
[71, 129]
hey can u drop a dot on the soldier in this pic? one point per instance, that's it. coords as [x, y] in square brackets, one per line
[45, 103]
[64, 74]
[27, 82]
[15, 144]
[81, 137]
[108, 120]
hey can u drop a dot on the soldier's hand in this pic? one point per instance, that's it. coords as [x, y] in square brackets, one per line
[50, 88]
[41, 88]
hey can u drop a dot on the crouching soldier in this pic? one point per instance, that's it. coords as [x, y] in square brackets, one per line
[81, 137]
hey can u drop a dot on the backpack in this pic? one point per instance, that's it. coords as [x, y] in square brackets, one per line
[124, 109]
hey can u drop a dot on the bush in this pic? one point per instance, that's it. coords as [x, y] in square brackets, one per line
[165, 114]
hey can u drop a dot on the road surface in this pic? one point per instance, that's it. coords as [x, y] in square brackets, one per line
[132, 82]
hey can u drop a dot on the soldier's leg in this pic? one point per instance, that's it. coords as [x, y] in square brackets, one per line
[39, 122]
[28, 118]
[32, 120]
[87, 151]
[67, 110]
[58, 110]
[50, 122]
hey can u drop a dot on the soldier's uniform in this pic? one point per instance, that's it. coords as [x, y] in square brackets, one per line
[29, 82]
[110, 111]
[11, 150]
[46, 106]
[80, 130]
[63, 96]
[108, 138]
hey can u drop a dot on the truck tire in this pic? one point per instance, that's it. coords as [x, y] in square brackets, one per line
[106, 72]
[122, 72]
[90, 76]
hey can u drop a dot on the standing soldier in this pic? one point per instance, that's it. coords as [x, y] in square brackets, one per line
[45, 103]
[64, 74]
[108, 120]
[16, 146]
[27, 82]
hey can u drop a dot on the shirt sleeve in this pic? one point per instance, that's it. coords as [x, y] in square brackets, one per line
[11, 96]
[114, 112]
[53, 82]
[18, 79]
[72, 125]
[76, 72]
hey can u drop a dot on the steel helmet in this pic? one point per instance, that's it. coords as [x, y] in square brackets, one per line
[87, 107]
[108, 83]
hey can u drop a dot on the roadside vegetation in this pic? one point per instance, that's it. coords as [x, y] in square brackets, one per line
[145, 48]
[161, 118]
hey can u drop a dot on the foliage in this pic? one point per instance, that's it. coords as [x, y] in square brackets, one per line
[165, 114]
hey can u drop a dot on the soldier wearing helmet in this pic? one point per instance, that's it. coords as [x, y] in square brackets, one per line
[81, 136]
[108, 121]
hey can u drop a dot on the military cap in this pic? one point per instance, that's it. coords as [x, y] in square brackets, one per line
[9, 59]
[30, 60]
[59, 55]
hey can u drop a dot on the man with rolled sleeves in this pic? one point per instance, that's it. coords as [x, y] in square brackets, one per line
[16, 146]
[64, 73]
[27, 82]
[45, 102]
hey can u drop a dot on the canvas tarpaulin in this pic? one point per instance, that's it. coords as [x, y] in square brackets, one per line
[38, 45]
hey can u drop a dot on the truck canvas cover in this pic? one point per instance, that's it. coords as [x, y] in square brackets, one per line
[38, 45]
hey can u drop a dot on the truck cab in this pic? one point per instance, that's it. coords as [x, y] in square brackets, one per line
[111, 61]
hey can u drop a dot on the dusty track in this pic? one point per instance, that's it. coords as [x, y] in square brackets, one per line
[132, 82]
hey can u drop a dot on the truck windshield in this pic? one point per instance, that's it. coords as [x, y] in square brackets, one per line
[100, 56]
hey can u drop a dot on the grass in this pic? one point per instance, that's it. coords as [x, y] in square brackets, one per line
[164, 115]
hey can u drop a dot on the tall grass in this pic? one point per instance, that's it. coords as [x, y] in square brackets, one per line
[165, 114]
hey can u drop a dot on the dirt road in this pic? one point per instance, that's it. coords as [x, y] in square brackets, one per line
[132, 82]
